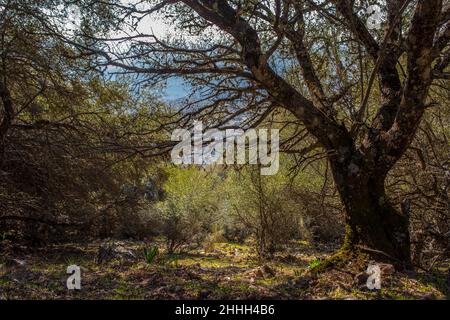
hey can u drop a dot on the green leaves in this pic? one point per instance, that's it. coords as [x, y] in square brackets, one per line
[150, 254]
[315, 263]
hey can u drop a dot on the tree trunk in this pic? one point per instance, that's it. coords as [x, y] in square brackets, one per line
[373, 224]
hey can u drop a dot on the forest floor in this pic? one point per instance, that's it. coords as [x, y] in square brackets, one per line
[224, 271]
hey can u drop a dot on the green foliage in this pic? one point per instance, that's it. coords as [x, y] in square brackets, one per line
[298, 272]
[265, 207]
[151, 254]
[191, 206]
[315, 263]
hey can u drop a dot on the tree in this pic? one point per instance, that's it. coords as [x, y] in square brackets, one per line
[265, 206]
[68, 139]
[239, 71]
[190, 208]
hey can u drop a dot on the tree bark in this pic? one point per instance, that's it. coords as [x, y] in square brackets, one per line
[5, 123]
[374, 225]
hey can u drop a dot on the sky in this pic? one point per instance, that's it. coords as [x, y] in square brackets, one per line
[151, 25]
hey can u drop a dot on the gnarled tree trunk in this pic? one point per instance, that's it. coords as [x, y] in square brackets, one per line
[373, 223]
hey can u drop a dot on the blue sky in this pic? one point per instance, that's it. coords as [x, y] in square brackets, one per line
[175, 89]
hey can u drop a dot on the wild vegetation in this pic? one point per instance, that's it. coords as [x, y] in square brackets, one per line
[85, 138]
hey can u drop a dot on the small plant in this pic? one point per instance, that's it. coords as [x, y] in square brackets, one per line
[150, 254]
[71, 261]
[315, 263]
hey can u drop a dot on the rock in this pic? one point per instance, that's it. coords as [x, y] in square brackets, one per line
[159, 291]
[145, 282]
[110, 251]
[162, 293]
[177, 289]
[15, 266]
[428, 296]
[15, 263]
[124, 252]
[105, 253]
[302, 283]
[387, 269]
[258, 273]
[255, 274]
[288, 258]
[25, 275]
[267, 270]
[261, 273]
[361, 278]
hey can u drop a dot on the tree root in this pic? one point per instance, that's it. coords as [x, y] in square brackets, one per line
[340, 259]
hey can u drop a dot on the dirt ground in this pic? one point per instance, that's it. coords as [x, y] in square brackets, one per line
[222, 271]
